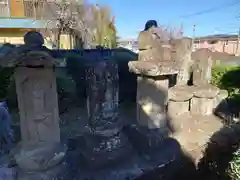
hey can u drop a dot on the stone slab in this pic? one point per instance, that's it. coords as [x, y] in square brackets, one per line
[153, 68]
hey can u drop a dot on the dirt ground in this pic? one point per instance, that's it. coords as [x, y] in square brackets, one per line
[192, 133]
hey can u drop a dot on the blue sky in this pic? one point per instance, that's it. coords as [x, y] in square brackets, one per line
[131, 15]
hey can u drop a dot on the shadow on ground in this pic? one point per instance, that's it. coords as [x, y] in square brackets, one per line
[214, 164]
[219, 153]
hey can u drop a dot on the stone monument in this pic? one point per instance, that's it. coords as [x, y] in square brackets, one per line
[202, 67]
[40, 148]
[153, 70]
[182, 50]
[105, 142]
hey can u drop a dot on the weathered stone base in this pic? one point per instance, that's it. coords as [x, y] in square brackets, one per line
[146, 141]
[58, 172]
[39, 156]
[102, 151]
[134, 165]
[128, 165]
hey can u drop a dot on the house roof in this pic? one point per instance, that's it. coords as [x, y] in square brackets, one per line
[24, 23]
[218, 37]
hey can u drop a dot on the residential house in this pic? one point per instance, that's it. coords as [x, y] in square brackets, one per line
[221, 43]
[19, 16]
[130, 44]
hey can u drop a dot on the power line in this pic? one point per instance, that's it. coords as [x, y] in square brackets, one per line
[225, 5]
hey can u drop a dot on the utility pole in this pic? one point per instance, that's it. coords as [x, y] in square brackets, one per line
[193, 37]
[181, 31]
[8, 7]
[238, 39]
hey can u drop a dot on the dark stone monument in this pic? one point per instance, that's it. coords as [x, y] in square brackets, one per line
[105, 141]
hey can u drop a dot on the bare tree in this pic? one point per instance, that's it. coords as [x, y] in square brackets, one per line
[104, 28]
[85, 23]
[62, 17]
[169, 33]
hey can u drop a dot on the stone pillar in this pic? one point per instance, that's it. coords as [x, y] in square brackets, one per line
[39, 119]
[182, 50]
[202, 67]
[104, 140]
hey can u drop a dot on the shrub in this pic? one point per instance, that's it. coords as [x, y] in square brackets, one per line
[7, 90]
[220, 153]
[227, 77]
[234, 169]
[66, 90]
[75, 68]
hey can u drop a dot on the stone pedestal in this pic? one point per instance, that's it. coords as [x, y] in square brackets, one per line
[203, 101]
[179, 100]
[202, 106]
[105, 142]
[152, 92]
[151, 101]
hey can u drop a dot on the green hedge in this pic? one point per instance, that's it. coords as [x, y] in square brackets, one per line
[65, 87]
[7, 87]
[234, 166]
[227, 77]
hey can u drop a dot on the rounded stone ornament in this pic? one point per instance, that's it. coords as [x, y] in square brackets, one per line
[180, 93]
[33, 38]
[206, 91]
